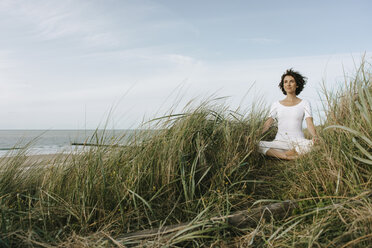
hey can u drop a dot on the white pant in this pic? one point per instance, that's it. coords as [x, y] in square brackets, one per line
[301, 145]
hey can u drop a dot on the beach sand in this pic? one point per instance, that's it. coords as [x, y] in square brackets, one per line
[39, 160]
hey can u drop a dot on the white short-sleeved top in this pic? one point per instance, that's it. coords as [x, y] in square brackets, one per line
[290, 119]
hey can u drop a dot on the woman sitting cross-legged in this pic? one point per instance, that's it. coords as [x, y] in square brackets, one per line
[290, 112]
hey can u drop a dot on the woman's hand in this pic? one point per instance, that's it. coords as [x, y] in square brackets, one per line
[315, 139]
[312, 131]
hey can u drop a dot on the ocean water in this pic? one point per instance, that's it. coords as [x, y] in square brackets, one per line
[56, 141]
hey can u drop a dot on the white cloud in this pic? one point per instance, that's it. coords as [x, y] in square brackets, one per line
[70, 54]
[260, 40]
[181, 59]
[6, 60]
[86, 21]
[49, 20]
[149, 95]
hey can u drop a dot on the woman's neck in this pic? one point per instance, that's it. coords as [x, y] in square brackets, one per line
[291, 98]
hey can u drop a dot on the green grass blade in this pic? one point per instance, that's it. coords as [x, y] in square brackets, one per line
[361, 148]
[367, 161]
[143, 200]
[368, 141]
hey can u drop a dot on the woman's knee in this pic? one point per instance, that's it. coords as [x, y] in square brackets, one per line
[304, 147]
[262, 148]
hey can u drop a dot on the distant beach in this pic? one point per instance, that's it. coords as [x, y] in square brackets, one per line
[44, 142]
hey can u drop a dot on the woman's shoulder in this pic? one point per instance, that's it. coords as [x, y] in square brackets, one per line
[275, 104]
[305, 101]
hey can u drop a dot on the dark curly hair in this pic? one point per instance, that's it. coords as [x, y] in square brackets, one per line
[300, 81]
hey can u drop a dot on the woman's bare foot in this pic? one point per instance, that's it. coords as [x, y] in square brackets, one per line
[291, 153]
[287, 155]
[292, 157]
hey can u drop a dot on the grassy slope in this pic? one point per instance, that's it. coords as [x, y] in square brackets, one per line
[201, 164]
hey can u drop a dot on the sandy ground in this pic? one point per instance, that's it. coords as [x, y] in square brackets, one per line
[35, 160]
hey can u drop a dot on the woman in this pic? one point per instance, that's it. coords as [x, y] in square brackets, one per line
[290, 141]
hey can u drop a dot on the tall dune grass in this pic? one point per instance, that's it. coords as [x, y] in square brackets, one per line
[333, 183]
[200, 164]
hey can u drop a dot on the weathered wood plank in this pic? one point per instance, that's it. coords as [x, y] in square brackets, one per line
[241, 219]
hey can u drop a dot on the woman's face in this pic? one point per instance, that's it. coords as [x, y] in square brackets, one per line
[289, 84]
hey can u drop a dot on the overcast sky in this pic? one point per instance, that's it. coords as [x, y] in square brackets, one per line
[65, 64]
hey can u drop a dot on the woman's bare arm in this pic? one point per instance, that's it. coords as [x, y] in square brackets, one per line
[267, 125]
[311, 128]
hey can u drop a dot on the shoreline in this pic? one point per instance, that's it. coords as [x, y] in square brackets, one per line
[39, 159]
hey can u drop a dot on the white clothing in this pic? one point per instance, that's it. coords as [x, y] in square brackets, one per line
[290, 133]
